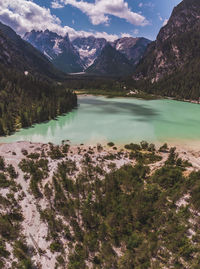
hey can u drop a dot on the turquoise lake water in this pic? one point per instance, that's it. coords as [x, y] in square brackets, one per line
[120, 120]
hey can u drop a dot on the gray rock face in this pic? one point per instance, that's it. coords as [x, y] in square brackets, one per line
[111, 63]
[81, 53]
[173, 47]
[132, 48]
[89, 48]
[59, 50]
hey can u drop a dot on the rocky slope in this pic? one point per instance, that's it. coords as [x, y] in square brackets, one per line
[18, 54]
[132, 48]
[89, 48]
[111, 63]
[94, 207]
[79, 54]
[176, 47]
[59, 50]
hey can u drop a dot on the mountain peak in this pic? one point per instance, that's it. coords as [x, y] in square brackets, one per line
[89, 48]
[111, 63]
[175, 51]
[132, 48]
[59, 50]
[19, 54]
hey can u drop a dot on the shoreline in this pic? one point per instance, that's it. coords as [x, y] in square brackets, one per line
[181, 144]
[128, 95]
[187, 152]
[184, 143]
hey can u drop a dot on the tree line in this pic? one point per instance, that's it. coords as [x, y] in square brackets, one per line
[25, 100]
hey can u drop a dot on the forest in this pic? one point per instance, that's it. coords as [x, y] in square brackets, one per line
[131, 217]
[26, 100]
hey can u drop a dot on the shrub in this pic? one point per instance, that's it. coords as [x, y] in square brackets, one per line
[164, 148]
[56, 246]
[2, 164]
[110, 144]
[132, 146]
[144, 145]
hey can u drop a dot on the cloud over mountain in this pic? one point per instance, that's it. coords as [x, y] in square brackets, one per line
[24, 16]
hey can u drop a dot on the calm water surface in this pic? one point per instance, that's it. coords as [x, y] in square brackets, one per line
[121, 120]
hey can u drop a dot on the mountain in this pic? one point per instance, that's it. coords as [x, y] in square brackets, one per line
[111, 63]
[19, 54]
[89, 48]
[132, 48]
[173, 60]
[59, 50]
[29, 91]
[77, 55]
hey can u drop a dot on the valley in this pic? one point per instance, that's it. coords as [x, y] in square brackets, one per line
[99, 135]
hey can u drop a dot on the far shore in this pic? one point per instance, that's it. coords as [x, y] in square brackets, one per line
[148, 97]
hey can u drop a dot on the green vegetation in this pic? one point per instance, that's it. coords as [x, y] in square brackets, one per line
[25, 100]
[129, 211]
[120, 93]
[11, 218]
[22, 253]
[138, 216]
[110, 144]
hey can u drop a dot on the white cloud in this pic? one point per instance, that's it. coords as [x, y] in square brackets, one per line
[99, 11]
[125, 35]
[24, 16]
[165, 22]
[148, 5]
[56, 5]
[136, 32]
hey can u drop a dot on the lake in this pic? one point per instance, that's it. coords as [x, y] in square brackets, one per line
[120, 120]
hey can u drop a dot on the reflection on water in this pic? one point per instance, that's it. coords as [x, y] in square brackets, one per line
[121, 120]
[113, 107]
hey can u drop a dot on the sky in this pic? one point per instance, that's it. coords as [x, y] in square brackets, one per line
[110, 19]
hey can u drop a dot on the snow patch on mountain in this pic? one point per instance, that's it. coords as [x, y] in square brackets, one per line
[47, 55]
[56, 46]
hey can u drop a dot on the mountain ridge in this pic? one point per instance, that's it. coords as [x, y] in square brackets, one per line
[19, 54]
[89, 48]
[79, 54]
[59, 50]
[167, 54]
[111, 63]
[132, 48]
[31, 87]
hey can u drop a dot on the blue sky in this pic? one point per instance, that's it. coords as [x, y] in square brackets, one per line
[109, 18]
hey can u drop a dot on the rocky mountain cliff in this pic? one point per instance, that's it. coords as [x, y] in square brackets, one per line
[176, 46]
[59, 50]
[19, 54]
[111, 63]
[79, 54]
[132, 48]
[89, 48]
